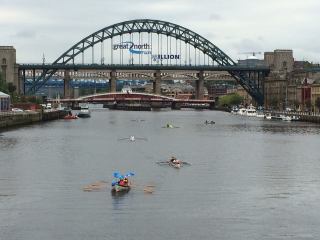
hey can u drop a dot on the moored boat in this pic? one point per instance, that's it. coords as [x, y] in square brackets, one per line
[285, 118]
[84, 112]
[295, 118]
[67, 117]
[251, 112]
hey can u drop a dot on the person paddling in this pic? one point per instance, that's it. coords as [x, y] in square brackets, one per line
[174, 160]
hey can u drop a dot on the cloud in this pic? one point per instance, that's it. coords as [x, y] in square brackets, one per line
[215, 17]
[24, 34]
[248, 45]
[233, 25]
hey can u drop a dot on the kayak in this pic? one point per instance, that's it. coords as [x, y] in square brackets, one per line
[118, 188]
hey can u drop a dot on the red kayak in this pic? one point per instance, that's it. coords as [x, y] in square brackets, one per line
[70, 117]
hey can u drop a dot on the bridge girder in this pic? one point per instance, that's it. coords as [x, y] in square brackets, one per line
[135, 75]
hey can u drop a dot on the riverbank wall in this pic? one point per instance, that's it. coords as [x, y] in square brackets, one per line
[303, 116]
[12, 119]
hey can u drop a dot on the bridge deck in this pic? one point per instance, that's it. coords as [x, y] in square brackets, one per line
[141, 67]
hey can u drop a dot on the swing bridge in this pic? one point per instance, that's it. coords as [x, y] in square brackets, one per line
[144, 49]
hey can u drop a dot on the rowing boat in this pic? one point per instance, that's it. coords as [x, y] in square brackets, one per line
[118, 188]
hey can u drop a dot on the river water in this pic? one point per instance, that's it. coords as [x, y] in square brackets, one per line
[248, 179]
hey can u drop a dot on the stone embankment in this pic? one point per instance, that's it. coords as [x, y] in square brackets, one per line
[11, 119]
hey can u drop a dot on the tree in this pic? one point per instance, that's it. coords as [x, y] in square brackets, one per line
[3, 85]
[230, 100]
[11, 88]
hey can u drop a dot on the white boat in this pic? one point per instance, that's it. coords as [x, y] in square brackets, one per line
[242, 111]
[295, 118]
[84, 112]
[268, 116]
[285, 118]
[235, 110]
[251, 112]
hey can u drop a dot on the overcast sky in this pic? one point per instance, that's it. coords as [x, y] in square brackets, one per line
[35, 27]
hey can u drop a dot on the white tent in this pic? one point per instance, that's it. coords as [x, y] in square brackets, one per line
[4, 102]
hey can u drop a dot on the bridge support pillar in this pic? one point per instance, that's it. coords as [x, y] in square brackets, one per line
[157, 83]
[22, 82]
[175, 106]
[66, 84]
[200, 86]
[113, 81]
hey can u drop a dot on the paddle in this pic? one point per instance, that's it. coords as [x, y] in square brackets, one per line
[168, 162]
[146, 188]
[145, 139]
[120, 139]
[96, 186]
[132, 138]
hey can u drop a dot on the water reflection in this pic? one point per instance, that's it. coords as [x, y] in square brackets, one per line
[118, 199]
[7, 142]
[287, 128]
[247, 176]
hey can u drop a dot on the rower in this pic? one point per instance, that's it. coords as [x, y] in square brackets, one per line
[132, 138]
[174, 160]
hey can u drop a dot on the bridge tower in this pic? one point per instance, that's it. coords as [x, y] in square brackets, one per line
[200, 86]
[66, 84]
[113, 81]
[8, 66]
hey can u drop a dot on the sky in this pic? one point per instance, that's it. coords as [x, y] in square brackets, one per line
[37, 27]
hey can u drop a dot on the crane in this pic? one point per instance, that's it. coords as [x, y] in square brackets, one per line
[253, 53]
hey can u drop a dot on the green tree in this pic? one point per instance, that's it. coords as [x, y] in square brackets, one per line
[11, 88]
[230, 100]
[3, 85]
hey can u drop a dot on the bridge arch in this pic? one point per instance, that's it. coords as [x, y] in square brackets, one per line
[147, 26]
[161, 28]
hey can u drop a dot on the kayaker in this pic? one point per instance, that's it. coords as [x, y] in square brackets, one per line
[123, 182]
[174, 160]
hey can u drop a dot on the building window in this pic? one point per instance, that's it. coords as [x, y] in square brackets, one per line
[4, 61]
